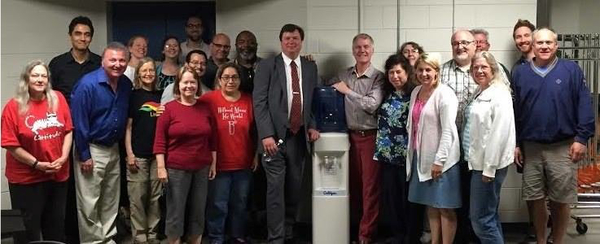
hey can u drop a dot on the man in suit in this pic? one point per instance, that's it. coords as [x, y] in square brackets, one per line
[282, 95]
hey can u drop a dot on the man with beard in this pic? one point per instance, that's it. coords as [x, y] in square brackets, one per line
[245, 47]
[219, 52]
[193, 30]
[456, 74]
[522, 35]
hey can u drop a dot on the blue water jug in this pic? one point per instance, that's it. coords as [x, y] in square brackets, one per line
[328, 107]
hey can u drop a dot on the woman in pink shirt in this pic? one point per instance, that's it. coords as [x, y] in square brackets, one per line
[433, 150]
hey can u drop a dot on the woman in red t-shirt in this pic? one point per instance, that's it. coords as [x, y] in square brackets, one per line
[236, 154]
[37, 133]
[185, 146]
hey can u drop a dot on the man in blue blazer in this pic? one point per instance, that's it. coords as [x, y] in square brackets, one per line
[282, 96]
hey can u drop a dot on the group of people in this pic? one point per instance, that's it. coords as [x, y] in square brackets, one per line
[426, 138]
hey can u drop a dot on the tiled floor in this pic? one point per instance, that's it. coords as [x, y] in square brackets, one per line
[513, 232]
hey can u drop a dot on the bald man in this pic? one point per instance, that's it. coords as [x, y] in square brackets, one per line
[219, 52]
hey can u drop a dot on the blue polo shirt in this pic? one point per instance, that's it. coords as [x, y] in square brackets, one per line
[99, 114]
[552, 103]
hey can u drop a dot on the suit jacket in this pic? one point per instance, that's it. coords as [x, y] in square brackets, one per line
[271, 97]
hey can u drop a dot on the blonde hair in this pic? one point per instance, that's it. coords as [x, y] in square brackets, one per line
[489, 58]
[427, 59]
[137, 80]
[22, 97]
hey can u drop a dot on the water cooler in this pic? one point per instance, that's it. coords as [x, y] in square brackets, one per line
[330, 198]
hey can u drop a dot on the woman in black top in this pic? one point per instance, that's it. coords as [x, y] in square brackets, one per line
[143, 185]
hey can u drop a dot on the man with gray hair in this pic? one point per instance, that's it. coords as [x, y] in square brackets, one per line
[482, 44]
[99, 106]
[362, 86]
[456, 74]
[554, 121]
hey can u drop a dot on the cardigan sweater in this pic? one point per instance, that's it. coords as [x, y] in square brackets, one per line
[437, 134]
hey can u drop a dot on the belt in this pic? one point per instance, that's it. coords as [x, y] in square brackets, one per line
[364, 132]
[104, 144]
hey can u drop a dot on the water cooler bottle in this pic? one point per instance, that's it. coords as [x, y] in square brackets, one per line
[330, 198]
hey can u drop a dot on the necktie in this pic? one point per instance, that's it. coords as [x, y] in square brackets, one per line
[296, 110]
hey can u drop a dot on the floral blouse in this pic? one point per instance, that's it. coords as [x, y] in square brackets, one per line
[392, 137]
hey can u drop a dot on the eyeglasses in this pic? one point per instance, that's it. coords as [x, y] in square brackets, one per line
[174, 46]
[481, 42]
[463, 42]
[230, 78]
[194, 26]
[221, 46]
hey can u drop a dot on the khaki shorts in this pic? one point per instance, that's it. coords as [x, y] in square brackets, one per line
[549, 171]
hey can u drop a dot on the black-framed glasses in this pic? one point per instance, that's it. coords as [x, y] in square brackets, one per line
[230, 78]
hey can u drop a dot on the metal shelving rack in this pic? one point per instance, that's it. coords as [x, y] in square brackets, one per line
[584, 49]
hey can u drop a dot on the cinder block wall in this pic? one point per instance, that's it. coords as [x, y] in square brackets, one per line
[37, 29]
[331, 24]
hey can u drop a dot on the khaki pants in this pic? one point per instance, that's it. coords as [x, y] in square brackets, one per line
[144, 190]
[97, 195]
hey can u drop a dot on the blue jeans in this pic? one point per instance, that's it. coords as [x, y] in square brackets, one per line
[229, 197]
[485, 198]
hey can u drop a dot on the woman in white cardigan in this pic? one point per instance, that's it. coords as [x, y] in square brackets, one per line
[488, 143]
[433, 150]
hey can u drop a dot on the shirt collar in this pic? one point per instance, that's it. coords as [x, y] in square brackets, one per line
[454, 66]
[102, 77]
[71, 59]
[287, 60]
[551, 64]
[369, 72]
